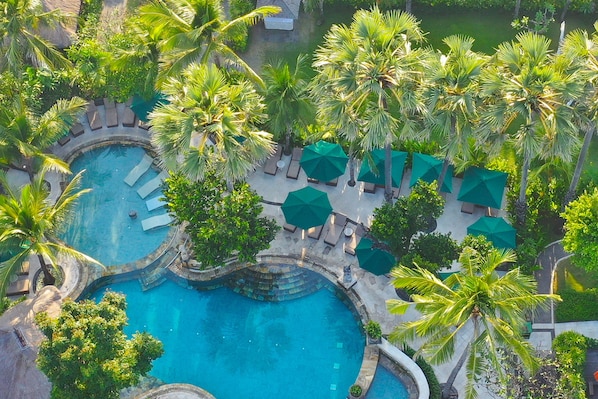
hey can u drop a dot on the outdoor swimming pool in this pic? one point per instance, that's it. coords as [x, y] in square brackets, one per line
[236, 347]
[115, 238]
[386, 386]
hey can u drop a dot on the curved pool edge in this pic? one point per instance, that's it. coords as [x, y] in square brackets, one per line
[409, 365]
[177, 391]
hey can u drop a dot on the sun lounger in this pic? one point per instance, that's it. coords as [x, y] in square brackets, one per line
[155, 203]
[152, 185]
[64, 139]
[271, 167]
[369, 188]
[139, 170]
[337, 226]
[24, 270]
[289, 227]
[350, 246]
[128, 117]
[315, 232]
[144, 125]
[156, 221]
[93, 117]
[111, 117]
[311, 180]
[77, 129]
[297, 154]
[109, 103]
[19, 287]
[332, 183]
[467, 207]
[293, 170]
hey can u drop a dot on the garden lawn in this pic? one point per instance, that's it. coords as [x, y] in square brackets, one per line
[579, 291]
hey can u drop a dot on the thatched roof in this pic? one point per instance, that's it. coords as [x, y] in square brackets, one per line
[62, 36]
[19, 342]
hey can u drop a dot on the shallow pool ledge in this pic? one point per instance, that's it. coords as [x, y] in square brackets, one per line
[409, 365]
[176, 391]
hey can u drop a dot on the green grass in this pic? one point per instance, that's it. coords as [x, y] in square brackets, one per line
[579, 292]
[569, 276]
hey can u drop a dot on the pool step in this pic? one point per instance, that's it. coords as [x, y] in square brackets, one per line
[275, 283]
[155, 274]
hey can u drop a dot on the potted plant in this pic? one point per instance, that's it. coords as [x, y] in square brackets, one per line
[374, 331]
[355, 391]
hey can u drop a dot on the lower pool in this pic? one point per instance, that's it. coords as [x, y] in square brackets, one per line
[386, 386]
[101, 226]
[237, 347]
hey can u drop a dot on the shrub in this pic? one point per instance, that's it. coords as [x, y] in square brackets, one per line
[435, 390]
[577, 305]
[432, 251]
[570, 350]
[356, 390]
[373, 329]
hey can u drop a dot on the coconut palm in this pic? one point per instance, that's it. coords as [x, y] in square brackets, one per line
[476, 304]
[210, 124]
[29, 223]
[287, 98]
[529, 95]
[582, 49]
[370, 72]
[26, 134]
[20, 42]
[196, 31]
[452, 98]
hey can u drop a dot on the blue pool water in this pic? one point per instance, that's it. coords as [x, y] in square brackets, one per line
[386, 386]
[101, 226]
[236, 347]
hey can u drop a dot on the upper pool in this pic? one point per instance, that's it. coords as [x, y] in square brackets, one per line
[237, 347]
[101, 226]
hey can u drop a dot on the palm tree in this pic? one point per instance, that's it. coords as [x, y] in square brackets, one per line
[25, 134]
[20, 42]
[196, 31]
[287, 98]
[477, 303]
[370, 72]
[582, 49]
[29, 223]
[529, 95]
[210, 124]
[452, 98]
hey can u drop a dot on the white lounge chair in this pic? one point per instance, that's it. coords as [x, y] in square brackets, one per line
[139, 170]
[156, 221]
[152, 185]
[154, 203]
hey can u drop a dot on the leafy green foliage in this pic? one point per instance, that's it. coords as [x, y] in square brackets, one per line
[87, 355]
[220, 223]
[432, 251]
[479, 243]
[395, 224]
[581, 230]
[435, 391]
[6, 303]
[570, 350]
[239, 34]
[577, 305]
[373, 329]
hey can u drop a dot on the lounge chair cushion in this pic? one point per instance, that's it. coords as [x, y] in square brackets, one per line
[156, 221]
[315, 232]
[293, 170]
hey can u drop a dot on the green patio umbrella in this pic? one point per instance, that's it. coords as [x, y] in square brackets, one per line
[496, 230]
[428, 168]
[306, 208]
[142, 107]
[367, 174]
[324, 161]
[483, 187]
[374, 260]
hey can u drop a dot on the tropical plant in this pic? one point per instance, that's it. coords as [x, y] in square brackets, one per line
[432, 251]
[452, 99]
[368, 79]
[20, 41]
[287, 99]
[25, 134]
[355, 390]
[581, 230]
[529, 95]
[373, 329]
[29, 223]
[86, 354]
[475, 304]
[210, 124]
[196, 31]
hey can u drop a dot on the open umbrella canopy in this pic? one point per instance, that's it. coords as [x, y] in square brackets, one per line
[374, 260]
[496, 230]
[306, 208]
[324, 161]
[428, 168]
[483, 187]
[376, 175]
[142, 107]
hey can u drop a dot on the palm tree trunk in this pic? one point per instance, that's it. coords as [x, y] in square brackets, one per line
[408, 6]
[287, 140]
[565, 9]
[351, 181]
[387, 172]
[520, 205]
[517, 7]
[448, 385]
[48, 278]
[581, 159]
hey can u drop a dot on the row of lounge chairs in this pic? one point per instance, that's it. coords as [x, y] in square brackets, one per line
[337, 226]
[22, 285]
